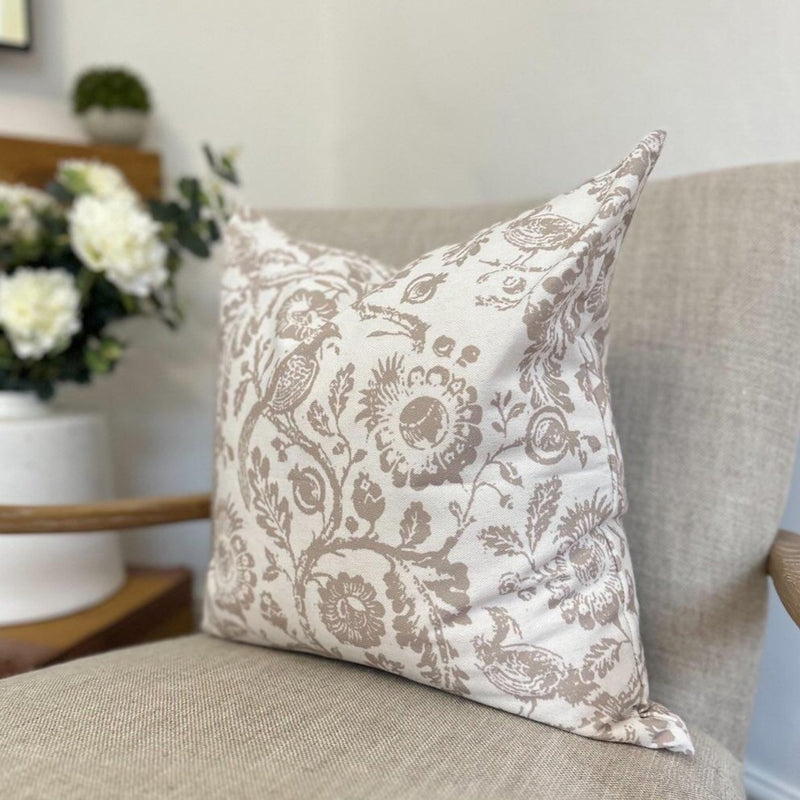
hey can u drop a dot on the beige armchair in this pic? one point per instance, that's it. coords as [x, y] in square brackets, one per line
[706, 391]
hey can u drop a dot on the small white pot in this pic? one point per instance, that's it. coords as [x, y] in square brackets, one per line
[114, 125]
[49, 457]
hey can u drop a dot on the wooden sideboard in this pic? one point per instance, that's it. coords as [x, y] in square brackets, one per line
[34, 162]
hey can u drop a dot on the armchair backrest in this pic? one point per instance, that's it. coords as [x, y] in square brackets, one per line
[705, 371]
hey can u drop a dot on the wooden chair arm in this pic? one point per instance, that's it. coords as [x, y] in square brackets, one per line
[784, 566]
[108, 515]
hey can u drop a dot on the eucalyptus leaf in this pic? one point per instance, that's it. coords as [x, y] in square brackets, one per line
[193, 243]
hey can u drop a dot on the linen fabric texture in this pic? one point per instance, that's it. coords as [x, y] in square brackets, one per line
[418, 470]
[198, 718]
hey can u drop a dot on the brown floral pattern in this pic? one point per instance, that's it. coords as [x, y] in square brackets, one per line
[585, 580]
[424, 422]
[233, 573]
[350, 611]
[422, 472]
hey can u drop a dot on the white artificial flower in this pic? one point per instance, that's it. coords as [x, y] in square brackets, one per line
[22, 205]
[39, 310]
[82, 176]
[121, 241]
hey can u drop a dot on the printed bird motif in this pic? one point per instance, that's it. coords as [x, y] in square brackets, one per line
[294, 376]
[409, 324]
[524, 671]
[541, 231]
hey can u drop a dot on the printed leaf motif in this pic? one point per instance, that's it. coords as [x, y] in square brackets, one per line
[593, 442]
[503, 540]
[516, 410]
[510, 473]
[542, 509]
[449, 583]
[238, 397]
[408, 630]
[380, 661]
[455, 509]
[500, 303]
[601, 658]
[584, 382]
[319, 419]
[272, 511]
[415, 527]
[272, 572]
[421, 628]
[341, 386]
[272, 613]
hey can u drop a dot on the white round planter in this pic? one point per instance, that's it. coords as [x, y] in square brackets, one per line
[114, 125]
[49, 457]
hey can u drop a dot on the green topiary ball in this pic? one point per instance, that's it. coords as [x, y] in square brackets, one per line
[109, 88]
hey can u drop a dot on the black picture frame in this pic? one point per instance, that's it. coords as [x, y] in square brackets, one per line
[21, 48]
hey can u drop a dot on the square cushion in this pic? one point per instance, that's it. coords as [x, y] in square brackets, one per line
[421, 474]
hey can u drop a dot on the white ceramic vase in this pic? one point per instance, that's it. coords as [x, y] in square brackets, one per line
[114, 125]
[49, 457]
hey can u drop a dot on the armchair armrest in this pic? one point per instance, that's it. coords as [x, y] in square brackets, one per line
[784, 566]
[109, 515]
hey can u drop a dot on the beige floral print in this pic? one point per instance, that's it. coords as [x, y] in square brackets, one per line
[420, 466]
[351, 612]
[424, 421]
[232, 563]
[585, 580]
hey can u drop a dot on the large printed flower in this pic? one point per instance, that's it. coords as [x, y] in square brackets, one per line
[39, 310]
[425, 422]
[303, 314]
[351, 612]
[117, 238]
[585, 579]
[232, 564]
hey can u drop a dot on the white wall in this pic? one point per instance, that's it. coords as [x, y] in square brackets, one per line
[387, 103]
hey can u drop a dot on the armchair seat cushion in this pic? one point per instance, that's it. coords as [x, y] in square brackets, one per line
[198, 718]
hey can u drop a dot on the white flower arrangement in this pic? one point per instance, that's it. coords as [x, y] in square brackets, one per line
[82, 176]
[121, 241]
[23, 207]
[85, 254]
[39, 310]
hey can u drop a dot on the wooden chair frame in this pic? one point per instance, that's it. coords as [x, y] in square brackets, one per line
[783, 563]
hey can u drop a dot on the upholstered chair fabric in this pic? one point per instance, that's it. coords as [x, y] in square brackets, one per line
[199, 718]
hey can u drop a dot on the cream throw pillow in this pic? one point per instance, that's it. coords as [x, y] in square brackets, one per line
[422, 474]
